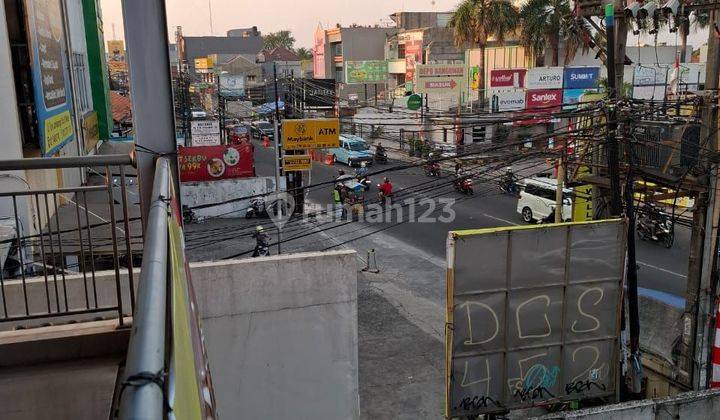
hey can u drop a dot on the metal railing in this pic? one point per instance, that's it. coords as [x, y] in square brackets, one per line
[54, 241]
[166, 366]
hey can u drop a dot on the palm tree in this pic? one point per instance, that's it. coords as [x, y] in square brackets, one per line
[304, 53]
[543, 25]
[701, 21]
[474, 22]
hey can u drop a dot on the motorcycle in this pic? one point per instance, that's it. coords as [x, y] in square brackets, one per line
[257, 209]
[657, 229]
[464, 186]
[432, 169]
[508, 186]
[381, 156]
[261, 251]
[364, 181]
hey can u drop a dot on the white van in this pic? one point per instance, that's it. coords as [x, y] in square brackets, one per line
[537, 200]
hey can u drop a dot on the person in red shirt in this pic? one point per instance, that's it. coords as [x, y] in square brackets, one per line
[385, 190]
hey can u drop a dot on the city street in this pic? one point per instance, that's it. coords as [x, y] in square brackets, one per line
[661, 271]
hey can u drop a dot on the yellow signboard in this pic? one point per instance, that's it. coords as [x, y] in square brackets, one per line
[310, 134]
[116, 46]
[57, 128]
[204, 64]
[297, 163]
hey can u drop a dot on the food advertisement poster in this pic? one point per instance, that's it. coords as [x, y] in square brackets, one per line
[51, 84]
[210, 163]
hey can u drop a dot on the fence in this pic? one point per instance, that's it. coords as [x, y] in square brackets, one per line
[48, 233]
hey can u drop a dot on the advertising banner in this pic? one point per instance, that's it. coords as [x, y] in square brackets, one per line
[544, 99]
[536, 319]
[319, 93]
[581, 77]
[511, 78]
[475, 78]
[91, 131]
[318, 133]
[233, 86]
[297, 163]
[370, 71]
[205, 133]
[649, 83]
[438, 70]
[51, 82]
[210, 163]
[572, 97]
[413, 55]
[510, 100]
[544, 78]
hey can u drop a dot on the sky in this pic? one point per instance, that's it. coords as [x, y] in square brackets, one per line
[301, 17]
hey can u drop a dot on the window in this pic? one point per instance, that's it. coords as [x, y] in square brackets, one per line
[82, 89]
[250, 77]
[401, 51]
[337, 49]
[339, 74]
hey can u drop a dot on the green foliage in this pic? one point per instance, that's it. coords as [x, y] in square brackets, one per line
[474, 21]
[304, 53]
[543, 25]
[282, 38]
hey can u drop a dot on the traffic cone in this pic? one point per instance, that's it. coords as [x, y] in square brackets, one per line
[266, 141]
[329, 159]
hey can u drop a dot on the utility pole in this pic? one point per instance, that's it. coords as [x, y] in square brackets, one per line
[702, 272]
[560, 186]
[278, 151]
[616, 39]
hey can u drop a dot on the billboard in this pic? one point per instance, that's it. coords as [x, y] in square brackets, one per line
[318, 93]
[510, 100]
[537, 318]
[511, 78]
[475, 78]
[438, 70]
[232, 86]
[369, 71]
[413, 55]
[581, 77]
[51, 82]
[317, 133]
[544, 98]
[544, 78]
[210, 163]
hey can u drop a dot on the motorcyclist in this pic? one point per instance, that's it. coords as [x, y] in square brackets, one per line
[262, 242]
[509, 179]
[432, 166]
[385, 190]
[362, 171]
[654, 218]
[380, 150]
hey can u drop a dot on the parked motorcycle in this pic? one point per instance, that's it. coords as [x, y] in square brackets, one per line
[656, 228]
[257, 209]
[464, 186]
[432, 169]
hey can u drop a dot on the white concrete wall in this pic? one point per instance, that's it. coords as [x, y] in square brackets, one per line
[197, 193]
[281, 335]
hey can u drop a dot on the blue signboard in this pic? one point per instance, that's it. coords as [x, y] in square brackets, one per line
[51, 83]
[581, 77]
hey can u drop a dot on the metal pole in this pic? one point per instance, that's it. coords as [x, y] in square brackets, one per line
[278, 157]
[612, 146]
[559, 190]
[150, 90]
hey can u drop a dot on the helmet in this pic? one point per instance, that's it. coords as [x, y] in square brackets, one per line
[386, 179]
[363, 164]
[258, 228]
[341, 172]
[508, 169]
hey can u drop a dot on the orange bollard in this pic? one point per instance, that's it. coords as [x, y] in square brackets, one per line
[266, 141]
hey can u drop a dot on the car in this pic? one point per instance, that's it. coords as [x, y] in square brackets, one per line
[445, 150]
[352, 151]
[536, 200]
[196, 114]
[261, 129]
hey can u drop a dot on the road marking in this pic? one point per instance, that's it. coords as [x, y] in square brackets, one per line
[662, 269]
[500, 219]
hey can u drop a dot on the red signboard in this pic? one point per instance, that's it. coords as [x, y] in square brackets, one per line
[413, 55]
[511, 78]
[443, 84]
[210, 163]
[544, 98]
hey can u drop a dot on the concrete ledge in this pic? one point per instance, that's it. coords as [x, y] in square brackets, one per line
[64, 342]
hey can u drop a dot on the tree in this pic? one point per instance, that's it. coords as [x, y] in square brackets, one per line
[476, 21]
[282, 38]
[543, 24]
[701, 21]
[304, 53]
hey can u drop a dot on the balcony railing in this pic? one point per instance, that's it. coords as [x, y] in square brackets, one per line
[166, 366]
[53, 240]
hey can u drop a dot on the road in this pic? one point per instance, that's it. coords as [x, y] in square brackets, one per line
[662, 272]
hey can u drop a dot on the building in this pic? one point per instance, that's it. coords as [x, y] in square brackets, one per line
[422, 37]
[247, 42]
[333, 48]
[97, 68]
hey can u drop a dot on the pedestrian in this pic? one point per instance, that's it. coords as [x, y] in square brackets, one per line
[337, 194]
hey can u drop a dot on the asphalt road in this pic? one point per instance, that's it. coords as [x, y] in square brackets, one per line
[662, 272]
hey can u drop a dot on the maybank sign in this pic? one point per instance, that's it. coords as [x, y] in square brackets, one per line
[581, 77]
[318, 133]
